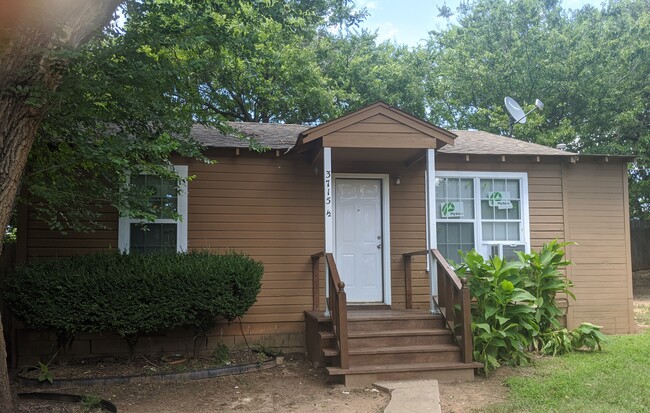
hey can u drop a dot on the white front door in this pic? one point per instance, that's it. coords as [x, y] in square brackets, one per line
[358, 239]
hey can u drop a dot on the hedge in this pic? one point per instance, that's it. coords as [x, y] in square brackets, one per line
[133, 294]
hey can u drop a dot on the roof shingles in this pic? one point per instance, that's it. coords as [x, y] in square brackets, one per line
[284, 136]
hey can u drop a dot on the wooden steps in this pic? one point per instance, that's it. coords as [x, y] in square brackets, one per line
[364, 376]
[388, 345]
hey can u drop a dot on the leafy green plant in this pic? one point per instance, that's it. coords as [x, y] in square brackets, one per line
[514, 307]
[133, 294]
[221, 354]
[91, 402]
[544, 279]
[503, 313]
[589, 336]
[44, 373]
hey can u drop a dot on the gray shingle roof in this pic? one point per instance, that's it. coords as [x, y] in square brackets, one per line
[470, 142]
[271, 135]
[284, 136]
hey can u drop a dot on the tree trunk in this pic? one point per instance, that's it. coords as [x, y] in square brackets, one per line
[17, 131]
[28, 76]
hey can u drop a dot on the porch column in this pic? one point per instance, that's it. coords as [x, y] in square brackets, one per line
[432, 241]
[329, 214]
[329, 217]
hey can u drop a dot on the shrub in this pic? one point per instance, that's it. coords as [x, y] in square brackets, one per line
[133, 294]
[514, 307]
[544, 280]
[503, 314]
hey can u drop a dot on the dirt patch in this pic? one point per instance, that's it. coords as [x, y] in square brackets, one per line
[146, 365]
[641, 286]
[474, 396]
[294, 387]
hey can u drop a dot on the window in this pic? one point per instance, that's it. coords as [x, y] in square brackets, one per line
[482, 210]
[165, 233]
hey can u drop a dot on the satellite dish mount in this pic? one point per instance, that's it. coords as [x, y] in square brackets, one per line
[517, 114]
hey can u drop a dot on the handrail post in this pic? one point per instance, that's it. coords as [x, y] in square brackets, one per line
[337, 306]
[433, 275]
[315, 270]
[343, 326]
[467, 323]
[408, 285]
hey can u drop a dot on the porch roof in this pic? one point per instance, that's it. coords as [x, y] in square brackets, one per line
[378, 126]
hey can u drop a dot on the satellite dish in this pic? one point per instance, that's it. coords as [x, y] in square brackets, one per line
[516, 112]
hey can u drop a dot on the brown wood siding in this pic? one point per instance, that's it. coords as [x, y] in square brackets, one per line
[379, 131]
[598, 221]
[270, 208]
[43, 242]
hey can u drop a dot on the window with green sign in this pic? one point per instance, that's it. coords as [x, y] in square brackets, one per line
[486, 211]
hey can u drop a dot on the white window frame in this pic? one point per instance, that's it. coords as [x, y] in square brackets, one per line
[124, 227]
[484, 247]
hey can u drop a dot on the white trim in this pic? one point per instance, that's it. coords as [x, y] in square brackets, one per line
[328, 211]
[431, 225]
[385, 224]
[124, 225]
[525, 209]
[328, 200]
[183, 196]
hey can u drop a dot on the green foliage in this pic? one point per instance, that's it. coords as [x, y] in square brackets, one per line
[91, 402]
[221, 354]
[133, 294]
[589, 66]
[514, 307]
[44, 373]
[10, 235]
[503, 313]
[544, 279]
[563, 341]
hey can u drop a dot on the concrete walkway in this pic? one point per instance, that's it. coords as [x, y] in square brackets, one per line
[420, 396]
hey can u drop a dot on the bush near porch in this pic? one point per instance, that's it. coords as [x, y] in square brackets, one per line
[133, 294]
[514, 308]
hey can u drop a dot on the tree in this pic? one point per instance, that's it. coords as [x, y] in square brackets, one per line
[268, 68]
[361, 72]
[37, 38]
[590, 67]
[88, 110]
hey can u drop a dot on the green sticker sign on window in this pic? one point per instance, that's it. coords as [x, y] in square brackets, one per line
[451, 209]
[500, 199]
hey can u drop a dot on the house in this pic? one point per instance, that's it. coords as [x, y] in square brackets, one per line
[349, 199]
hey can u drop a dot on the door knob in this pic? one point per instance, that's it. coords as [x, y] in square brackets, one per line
[378, 246]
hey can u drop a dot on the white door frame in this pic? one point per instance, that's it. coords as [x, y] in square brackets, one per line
[385, 224]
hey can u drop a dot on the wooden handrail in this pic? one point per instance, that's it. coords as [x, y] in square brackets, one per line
[453, 299]
[338, 307]
[336, 302]
[448, 270]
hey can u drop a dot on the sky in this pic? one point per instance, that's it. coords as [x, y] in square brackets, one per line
[409, 21]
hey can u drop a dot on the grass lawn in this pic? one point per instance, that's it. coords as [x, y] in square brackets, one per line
[614, 380]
